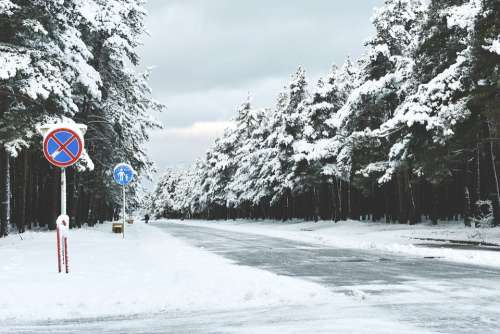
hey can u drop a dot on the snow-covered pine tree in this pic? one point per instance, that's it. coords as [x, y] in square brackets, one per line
[286, 127]
[220, 171]
[70, 59]
[485, 105]
[43, 60]
[315, 153]
[383, 84]
[247, 185]
[119, 121]
[162, 199]
[424, 126]
[241, 135]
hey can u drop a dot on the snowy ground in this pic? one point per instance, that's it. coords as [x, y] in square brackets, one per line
[147, 272]
[205, 277]
[395, 238]
[152, 282]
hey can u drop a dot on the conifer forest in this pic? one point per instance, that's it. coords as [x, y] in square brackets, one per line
[70, 61]
[406, 133]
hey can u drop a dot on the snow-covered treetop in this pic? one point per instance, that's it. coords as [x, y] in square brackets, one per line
[493, 45]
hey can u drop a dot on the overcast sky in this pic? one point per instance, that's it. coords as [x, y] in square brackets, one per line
[209, 54]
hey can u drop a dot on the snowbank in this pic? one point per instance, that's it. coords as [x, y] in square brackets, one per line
[147, 272]
[394, 238]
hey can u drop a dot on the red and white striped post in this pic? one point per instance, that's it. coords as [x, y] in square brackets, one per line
[58, 236]
[62, 242]
[66, 254]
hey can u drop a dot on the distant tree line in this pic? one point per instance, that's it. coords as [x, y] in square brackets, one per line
[407, 133]
[69, 61]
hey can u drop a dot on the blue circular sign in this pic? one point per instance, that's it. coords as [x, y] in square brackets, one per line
[62, 147]
[123, 174]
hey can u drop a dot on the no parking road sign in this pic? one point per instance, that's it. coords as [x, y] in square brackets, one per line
[63, 147]
[123, 174]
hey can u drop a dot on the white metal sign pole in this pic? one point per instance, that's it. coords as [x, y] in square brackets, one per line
[61, 247]
[63, 191]
[64, 213]
[124, 210]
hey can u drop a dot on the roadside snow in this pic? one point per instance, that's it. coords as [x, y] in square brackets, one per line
[149, 271]
[394, 238]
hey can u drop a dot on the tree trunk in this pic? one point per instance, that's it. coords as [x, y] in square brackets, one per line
[412, 205]
[478, 172]
[434, 205]
[495, 183]
[6, 193]
[316, 204]
[467, 201]
[341, 202]
[349, 200]
[402, 200]
[55, 196]
[35, 198]
[21, 224]
[335, 202]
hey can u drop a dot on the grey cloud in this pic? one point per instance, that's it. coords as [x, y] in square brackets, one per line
[208, 54]
[204, 44]
[216, 104]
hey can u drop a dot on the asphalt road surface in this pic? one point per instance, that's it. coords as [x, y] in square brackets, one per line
[456, 298]
[430, 295]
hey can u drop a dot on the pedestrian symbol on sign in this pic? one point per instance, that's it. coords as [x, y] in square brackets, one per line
[123, 174]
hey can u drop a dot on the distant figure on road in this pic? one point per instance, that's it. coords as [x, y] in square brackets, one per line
[146, 218]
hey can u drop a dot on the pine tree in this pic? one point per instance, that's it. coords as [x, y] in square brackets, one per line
[286, 128]
[70, 61]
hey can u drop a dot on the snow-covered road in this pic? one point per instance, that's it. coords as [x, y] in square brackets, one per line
[303, 319]
[201, 279]
[433, 295]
